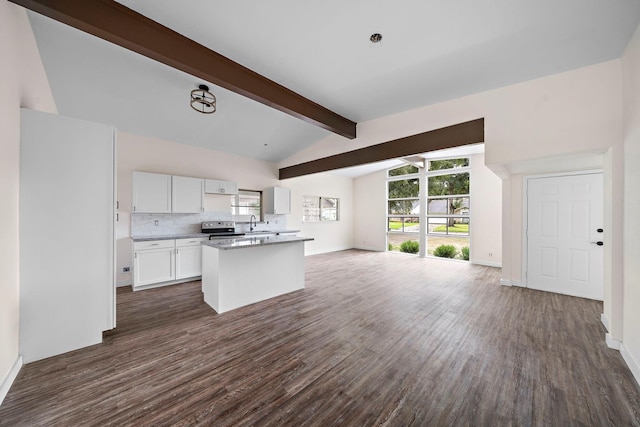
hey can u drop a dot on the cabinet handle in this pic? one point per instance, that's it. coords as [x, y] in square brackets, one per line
[222, 190]
[135, 254]
[176, 252]
[134, 208]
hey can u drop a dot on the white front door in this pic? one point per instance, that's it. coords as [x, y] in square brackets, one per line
[564, 226]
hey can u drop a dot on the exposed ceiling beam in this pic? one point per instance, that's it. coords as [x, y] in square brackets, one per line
[471, 132]
[125, 27]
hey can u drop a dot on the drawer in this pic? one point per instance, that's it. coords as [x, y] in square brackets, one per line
[153, 244]
[196, 241]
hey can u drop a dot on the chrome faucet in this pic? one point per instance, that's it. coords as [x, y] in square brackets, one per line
[253, 218]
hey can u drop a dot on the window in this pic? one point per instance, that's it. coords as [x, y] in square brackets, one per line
[446, 198]
[316, 209]
[403, 202]
[247, 203]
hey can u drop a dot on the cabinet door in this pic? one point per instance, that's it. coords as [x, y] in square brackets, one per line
[277, 200]
[188, 261]
[153, 266]
[229, 187]
[281, 200]
[151, 192]
[211, 186]
[187, 195]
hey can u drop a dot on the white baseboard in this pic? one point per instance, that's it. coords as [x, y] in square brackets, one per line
[122, 283]
[632, 363]
[10, 378]
[517, 283]
[505, 282]
[604, 321]
[487, 263]
[612, 342]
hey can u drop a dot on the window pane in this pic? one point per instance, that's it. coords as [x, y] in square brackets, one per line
[459, 206]
[329, 208]
[403, 170]
[448, 206]
[404, 207]
[310, 208]
[436, 165]
[404, 188]
[448, 226]
[437, 206]
[444, 185]
[246, 203]
[404, 225]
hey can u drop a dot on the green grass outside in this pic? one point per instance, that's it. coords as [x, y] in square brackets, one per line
[457, 228]
[398, 225]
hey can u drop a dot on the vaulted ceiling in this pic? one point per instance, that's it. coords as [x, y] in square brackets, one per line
[431, 51]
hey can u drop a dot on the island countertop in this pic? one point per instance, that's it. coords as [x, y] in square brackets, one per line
[245, 242]
[200, 235]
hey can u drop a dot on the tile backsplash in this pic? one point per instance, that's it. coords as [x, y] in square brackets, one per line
[145, 224]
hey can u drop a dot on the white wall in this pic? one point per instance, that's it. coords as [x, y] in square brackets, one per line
[485, 246]
[23, 83]
[370, 227]
[329, 236]
[149, 154]
[631, 315]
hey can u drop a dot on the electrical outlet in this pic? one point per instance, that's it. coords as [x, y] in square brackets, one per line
[490, 254]
[126, 269]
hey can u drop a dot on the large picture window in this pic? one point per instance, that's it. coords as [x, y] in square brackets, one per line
[447, 201]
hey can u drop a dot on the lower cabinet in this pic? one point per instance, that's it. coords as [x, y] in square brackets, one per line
[188, 258]
[160, 261]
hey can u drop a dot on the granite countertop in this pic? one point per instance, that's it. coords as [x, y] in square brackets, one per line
[245, 242]
[197, 235]
[169, 237]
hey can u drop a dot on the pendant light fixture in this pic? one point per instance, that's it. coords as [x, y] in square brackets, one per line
[202, 100]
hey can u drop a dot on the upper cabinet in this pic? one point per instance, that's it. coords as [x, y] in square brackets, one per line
[151, 192]
[159, 193]
[215, 186]
[277, 200]
[187, 195]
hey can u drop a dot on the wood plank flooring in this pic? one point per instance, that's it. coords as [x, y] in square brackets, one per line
[374, 339]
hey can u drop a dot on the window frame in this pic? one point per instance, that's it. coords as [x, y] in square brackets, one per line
[320, 216]
[235, 206]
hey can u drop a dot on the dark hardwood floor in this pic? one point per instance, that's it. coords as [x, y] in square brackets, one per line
[374, 339]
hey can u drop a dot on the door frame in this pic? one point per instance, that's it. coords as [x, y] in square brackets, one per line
[525, 213]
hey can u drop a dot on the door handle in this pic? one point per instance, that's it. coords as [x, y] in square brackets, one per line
[599, 243]
[600, 230]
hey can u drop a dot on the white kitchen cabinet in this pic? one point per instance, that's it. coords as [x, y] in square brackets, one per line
[277, 200]
[187, 195]
[188, 258]
[215, 186]
[151, 192]
[153, 262]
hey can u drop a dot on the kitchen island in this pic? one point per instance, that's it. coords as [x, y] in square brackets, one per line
[242, 271]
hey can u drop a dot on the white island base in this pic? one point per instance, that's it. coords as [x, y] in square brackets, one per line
[235, 276]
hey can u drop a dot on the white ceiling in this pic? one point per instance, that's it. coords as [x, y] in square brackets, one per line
[431, 51]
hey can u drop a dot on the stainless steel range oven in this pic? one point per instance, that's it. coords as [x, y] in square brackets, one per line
[217, 229]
